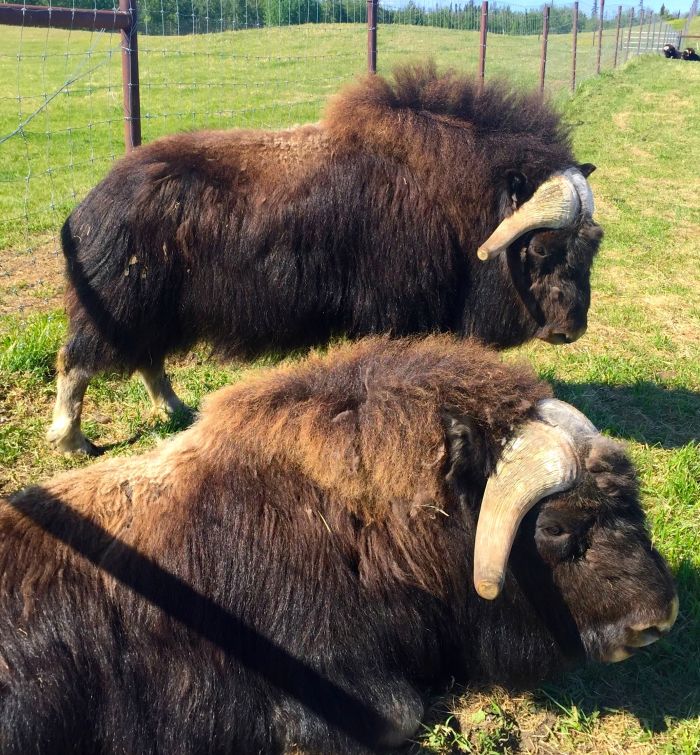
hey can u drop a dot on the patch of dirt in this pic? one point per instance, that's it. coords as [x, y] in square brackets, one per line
[31, 281]
[621, 120]
[637, 152]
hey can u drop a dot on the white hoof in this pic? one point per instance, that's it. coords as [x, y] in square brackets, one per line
[70, 441]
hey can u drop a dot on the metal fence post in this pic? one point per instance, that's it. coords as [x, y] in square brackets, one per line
[372, 36]
[653, 35]
[130, 78]
[482, 39]
[617, 34]
[639, 39]
[646, 41]
[543, 52]
[573, 48]
[600, 35]
[629, 34]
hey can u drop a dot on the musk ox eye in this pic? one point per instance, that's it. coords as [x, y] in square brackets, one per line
[539, 251]
[553, 530]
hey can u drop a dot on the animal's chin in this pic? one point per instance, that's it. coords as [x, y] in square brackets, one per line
[616, 655]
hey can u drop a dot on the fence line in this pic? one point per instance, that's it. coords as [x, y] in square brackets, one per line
[218, 63]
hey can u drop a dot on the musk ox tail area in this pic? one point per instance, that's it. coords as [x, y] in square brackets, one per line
[121, 303]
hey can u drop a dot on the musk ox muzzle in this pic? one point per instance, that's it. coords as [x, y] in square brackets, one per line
[548, 456]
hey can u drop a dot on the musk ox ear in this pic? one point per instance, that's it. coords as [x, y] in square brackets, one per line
[517, 188]
[611, 468]
[466, 447]
[587, 169]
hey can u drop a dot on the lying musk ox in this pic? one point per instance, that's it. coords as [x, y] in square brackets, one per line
[368, 222]
[304, 561]
[671, 51]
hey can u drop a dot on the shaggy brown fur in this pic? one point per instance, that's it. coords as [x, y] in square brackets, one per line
[296, 567]
[365, 223]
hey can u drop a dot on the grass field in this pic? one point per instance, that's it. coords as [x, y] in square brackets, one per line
[636, 374]
[268, 77]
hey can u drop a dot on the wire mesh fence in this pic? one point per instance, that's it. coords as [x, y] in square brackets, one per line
[242, 63]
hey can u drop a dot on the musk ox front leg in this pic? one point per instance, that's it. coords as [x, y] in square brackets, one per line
[65, 433]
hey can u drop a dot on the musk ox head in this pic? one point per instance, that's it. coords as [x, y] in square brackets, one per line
[565, 500]
[549, 239]
[671, 52]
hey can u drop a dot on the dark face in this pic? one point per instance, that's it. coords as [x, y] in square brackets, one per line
[551, 271]
[585, 562]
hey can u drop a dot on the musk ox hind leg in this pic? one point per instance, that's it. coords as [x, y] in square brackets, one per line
[65, 433]
[160, 391]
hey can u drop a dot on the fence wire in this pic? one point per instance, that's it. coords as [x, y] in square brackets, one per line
[239, 63]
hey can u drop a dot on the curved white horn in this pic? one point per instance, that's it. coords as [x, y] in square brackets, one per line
[542, 459]
[555, 204]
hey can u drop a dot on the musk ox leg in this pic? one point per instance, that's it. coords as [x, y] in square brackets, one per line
[160, 391]
[65, 433]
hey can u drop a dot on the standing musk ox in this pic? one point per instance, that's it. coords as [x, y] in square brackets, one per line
[368, 222]
[304, 561]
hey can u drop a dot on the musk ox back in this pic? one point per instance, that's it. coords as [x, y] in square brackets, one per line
[368, 222]
[301, 564]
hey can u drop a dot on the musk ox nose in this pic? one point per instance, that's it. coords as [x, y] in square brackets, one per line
[561, 336]
[640, 635]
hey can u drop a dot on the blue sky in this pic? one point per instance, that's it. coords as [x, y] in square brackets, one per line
[585, 5]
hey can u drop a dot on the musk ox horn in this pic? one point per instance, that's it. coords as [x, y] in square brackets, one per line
[555, 204]
[542, 459]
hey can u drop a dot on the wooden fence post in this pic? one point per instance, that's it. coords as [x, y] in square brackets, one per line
[639, 39]
[573, 48]
[629, 34]
[372, 36]
[617, 34]
[543, 51]
[482, 39]
[600, 35]
[130, 78]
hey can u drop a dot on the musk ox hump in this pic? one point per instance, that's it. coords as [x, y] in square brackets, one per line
[374, 110]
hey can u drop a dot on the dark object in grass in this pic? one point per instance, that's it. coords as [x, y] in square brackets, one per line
[369, 222]
[670, 51]
[299, 566]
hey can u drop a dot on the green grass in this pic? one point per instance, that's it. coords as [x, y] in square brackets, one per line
[268, 77]
[679, 25]
[636, 372]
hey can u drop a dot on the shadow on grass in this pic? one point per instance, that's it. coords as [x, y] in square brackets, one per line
[642, 411]
[176, 422]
